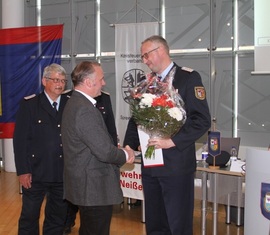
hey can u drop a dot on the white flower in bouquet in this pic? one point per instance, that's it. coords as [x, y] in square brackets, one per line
[175, 113]
[146, 100]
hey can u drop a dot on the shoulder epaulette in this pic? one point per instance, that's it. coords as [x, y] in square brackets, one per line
[66, 91]
[105, 92]
[187, 69]
[29, 97]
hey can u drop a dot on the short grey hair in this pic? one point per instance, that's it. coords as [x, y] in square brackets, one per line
[158, 39]
[56, 68]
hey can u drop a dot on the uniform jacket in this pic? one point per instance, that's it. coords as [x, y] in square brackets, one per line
[91, 168]
[104, 105]
[180, 159]
[37, 139]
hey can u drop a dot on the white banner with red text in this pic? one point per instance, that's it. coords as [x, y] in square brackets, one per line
[131, 181]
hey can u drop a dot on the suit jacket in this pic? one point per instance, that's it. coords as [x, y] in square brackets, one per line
[37, 139]
[104, 105]
[91, 167]
[180, 159]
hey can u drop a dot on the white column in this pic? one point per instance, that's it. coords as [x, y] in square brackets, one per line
[12, 17]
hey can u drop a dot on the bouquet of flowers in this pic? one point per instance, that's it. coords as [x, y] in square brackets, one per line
[157, 108]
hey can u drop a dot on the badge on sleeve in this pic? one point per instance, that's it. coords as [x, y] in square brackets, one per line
[200, 92]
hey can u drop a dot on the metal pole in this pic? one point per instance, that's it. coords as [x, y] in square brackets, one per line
[72, 36]
[162, 18]
[204, 203]
[98, 52]
[215, 205]
[212, 48]
[235, 69]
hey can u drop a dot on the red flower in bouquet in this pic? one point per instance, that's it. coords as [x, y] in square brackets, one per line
[157, 108]
[162, 101]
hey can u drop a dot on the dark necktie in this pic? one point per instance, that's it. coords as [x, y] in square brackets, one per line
[55, 107]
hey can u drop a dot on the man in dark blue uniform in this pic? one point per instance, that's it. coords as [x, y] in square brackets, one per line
[169, 189]
[39, 155]
[104, 105]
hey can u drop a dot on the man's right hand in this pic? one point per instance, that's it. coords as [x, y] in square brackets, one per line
[26, 180]
[131, 154]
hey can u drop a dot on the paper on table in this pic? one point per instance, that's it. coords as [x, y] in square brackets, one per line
[154, 161]
[237, 166]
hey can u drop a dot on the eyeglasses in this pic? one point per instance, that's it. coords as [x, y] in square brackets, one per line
[146, 54]
[57, 80]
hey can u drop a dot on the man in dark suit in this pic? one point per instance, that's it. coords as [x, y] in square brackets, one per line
[104, 105]
[169, 189]
[91, 167]
[39, 155]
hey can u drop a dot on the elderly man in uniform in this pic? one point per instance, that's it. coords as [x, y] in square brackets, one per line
[39, 155]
